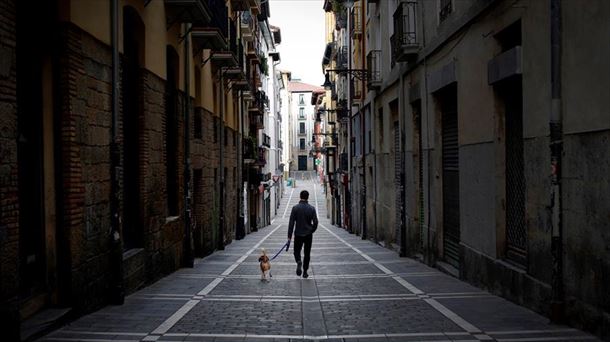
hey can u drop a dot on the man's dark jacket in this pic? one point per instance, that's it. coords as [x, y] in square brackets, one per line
[305, 217]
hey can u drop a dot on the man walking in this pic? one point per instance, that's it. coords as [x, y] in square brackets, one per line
[306, 220]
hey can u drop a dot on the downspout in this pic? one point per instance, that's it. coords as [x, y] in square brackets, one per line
[221, 220]
[348, 192]
[188, 240]
[427, 254]
[403, 210]
[556, 145]
[117, 295]
[240, 212]
[362, 125]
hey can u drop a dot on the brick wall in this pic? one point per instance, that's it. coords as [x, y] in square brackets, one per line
[205, 154]
[9, 206]
[162, 238]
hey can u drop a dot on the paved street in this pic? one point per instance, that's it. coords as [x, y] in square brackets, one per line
[357, 291]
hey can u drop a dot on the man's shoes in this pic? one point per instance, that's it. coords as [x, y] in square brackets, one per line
[305, 275]
[299, 268]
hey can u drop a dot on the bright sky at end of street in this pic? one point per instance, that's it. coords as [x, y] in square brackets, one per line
[302, 25]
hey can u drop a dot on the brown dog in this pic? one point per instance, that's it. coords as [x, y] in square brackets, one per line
[265, 265]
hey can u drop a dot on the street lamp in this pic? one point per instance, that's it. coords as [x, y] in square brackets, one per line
[361, 74]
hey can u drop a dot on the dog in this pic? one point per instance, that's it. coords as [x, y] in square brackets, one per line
[265, 265]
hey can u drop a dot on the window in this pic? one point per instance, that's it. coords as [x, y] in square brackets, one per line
[445, 7]
[301, 128]
[226, 137]
[215, 130]
[302, 144]
[301, 113]
[301, 99]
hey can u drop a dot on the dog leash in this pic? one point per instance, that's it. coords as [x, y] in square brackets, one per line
[287, 245]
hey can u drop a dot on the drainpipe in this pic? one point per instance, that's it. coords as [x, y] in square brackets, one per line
[403, 197]
[240, 129]
[188, 238]
[117, 295]
[556, 145]
[363, 128]
[221, 220]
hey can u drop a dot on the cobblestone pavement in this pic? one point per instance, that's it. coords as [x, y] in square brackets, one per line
[357, 291]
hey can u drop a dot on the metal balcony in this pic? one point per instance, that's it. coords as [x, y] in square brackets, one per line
[240, 5]
[214, 34]
[342, 57]
[266, 141]
[373, 62]
[195, 12]
[356, 22]
[261, 160]
[257, 121]
[255, 6]
[404, 41]
[247, 23]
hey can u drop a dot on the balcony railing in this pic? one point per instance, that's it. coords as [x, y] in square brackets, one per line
[404, 41]
[446, 7]
[247, 23]
[257, 121]
[356, 89]
[261, 160]
[266, 140]
[356, 23]
[342, 57]
[240, 5]
[220, 15]
[373, 62]
[250, 149]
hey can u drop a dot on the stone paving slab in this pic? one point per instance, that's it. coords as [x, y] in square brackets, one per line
[236, 286]
[497, 314]
[366, 286]
[383, 317]
[277, 318]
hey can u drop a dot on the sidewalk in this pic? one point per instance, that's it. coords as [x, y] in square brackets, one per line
[357, 291]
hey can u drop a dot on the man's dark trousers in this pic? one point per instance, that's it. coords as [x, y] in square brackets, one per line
[299, 241]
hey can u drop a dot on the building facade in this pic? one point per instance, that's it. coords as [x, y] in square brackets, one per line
[302, 124]
[468, 147]
[125, 130]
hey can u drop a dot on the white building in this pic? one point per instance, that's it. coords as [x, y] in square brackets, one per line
[301, 117]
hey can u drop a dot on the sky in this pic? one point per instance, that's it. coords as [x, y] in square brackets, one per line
[302, 26]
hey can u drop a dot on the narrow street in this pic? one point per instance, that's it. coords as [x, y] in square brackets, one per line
[357, 291]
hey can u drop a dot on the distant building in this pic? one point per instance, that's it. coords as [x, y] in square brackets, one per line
[302, 124]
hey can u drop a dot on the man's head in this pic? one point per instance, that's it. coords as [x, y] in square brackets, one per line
[304, 195]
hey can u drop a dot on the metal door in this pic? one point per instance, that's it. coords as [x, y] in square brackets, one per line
[516, 234]
[451, 179]
[399, 196]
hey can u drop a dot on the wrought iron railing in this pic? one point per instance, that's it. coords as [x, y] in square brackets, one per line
[446, 7]
[266, 140]
[373, 62]
[220, 15]
[342, 57]
[404, 41]
[356, 22]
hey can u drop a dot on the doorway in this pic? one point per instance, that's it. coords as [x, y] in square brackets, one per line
[133, 37]
[38, 276]
[302, 163]
[451, 176]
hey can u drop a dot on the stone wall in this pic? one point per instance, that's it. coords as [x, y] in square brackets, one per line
[85, 119]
